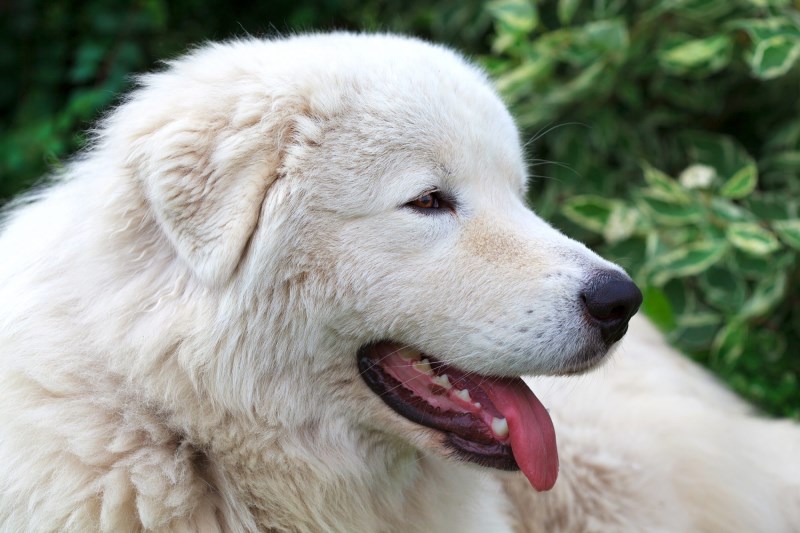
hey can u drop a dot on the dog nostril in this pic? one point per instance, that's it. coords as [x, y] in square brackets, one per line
[611, 299]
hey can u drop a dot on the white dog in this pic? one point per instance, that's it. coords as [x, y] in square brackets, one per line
[292, 287]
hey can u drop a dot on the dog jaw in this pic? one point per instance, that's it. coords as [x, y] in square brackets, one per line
[473, 412]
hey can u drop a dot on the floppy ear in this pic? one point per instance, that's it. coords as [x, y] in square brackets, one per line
[205, 165]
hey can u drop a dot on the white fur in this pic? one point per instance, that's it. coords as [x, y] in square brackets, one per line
[180, 313]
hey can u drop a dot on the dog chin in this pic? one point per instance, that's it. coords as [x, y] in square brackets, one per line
[586, 360]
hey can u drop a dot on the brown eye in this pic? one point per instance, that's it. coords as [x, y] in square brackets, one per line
[429, 200]
[433, 202]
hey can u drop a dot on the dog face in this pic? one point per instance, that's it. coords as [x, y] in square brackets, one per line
[362, 198]
[445, 233]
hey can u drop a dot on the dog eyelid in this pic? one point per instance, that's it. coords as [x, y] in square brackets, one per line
[430, 202]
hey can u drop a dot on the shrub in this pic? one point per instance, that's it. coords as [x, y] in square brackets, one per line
[676, 135]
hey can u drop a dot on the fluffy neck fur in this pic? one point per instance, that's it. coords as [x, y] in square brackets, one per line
[307, 483]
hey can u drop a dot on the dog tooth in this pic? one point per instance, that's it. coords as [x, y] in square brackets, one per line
[477, 404]
[423, 366]
[408, 354]
[500, 427]
[463, 394]
[443, 381]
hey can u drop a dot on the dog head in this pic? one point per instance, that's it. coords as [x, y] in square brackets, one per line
[357, 206]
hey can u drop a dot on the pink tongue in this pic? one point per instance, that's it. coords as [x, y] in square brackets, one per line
[533, 439]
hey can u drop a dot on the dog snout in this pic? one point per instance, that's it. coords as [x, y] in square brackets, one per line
[610, 299]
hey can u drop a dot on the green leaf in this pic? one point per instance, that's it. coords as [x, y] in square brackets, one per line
[769, 3]
[590, 212]
[764, 28]
[741, 184]
[655, 245]
[758, 267]
[657, 307]
[771, 206]
[514, 16]
[695, 331]
[752, 238]
[594, 80]
[730, 341]
[608, 8]
[700, 10]
[503, 41]
[703, 56]
[663, 186]
[687, 260]
[723, 289]
[767, 295]
[788, 231]
[566, 10]
[519, 80]
[669, 213]
[605, 39]
[685, 234]
[729, 211]
[775, 56]
[681, 299]
[621, 224]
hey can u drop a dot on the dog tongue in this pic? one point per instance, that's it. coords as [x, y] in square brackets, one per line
[533, 438]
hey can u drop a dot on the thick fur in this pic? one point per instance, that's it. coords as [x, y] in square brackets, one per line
[181, 309]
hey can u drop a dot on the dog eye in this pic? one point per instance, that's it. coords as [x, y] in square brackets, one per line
[430, 203]
[429, 200]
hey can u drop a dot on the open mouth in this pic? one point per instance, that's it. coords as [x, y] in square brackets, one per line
[491, 421]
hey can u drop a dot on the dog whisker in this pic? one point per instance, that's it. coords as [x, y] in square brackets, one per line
[548, 128]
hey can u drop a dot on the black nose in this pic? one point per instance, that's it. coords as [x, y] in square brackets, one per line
[611, 299]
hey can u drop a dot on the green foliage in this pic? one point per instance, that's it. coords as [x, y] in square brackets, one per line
[686, 171]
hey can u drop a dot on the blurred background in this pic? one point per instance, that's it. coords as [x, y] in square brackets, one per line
[665, 134]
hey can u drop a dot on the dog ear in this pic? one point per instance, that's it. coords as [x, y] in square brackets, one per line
[205, 163]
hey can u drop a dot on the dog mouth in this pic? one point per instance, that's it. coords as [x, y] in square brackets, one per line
[494, 422]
